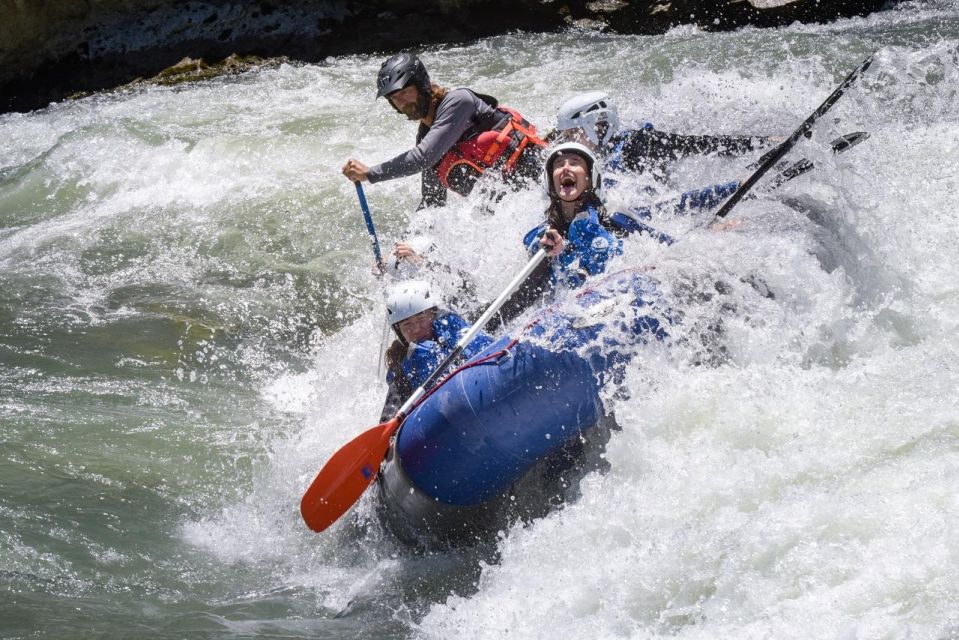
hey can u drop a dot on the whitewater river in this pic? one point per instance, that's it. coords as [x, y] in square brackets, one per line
[189, 328]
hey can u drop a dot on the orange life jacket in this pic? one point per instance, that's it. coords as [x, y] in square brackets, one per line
[499, 148]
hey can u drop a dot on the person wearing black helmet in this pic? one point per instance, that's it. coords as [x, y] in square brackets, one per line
[462, 135]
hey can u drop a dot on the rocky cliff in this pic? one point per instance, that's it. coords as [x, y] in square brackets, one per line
[50, 49]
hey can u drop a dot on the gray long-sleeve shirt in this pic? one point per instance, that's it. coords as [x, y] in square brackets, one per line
[460, 115]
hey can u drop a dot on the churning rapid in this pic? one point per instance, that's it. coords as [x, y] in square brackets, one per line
[190, 328]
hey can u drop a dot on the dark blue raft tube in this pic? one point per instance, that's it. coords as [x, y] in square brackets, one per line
[457, 460]
[491, 423]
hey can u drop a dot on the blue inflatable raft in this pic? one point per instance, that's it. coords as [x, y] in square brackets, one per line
[503, 435]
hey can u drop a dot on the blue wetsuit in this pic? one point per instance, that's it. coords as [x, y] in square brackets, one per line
[591, 240]
[588, 248]
[688, 202]
[423, 357]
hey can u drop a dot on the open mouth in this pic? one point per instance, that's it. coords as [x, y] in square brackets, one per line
[567, 186]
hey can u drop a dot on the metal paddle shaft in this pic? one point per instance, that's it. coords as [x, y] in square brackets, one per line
[369, 226]
[351, 469]
[473, 331]
[777, 154]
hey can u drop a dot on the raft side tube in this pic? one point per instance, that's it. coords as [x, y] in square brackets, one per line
[426, 523]
[487, 425]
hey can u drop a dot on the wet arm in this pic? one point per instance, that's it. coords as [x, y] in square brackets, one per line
[453, 118]
[397, 393]
[700, 199]
[652, 146]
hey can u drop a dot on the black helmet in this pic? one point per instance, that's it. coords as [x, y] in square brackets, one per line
[400, 71]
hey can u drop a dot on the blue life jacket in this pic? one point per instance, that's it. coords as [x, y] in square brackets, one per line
[588, 247]
[423, 357]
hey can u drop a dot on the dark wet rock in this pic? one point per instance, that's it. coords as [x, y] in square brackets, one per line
[53, 49]
[197, 70]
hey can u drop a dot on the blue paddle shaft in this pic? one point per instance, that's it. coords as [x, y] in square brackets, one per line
[369, 225]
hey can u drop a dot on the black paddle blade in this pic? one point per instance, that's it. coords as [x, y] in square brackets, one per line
[848, 141]
[802, 166]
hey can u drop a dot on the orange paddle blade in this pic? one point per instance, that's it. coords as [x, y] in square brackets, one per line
[346, 475]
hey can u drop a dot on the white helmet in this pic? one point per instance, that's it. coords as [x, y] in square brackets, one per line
[406, 299]
[588, 110]
[585, 153]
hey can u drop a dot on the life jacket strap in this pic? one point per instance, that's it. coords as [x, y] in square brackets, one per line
[517, 133]
[500, 148]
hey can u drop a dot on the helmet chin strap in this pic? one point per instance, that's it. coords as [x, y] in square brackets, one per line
[570, 208]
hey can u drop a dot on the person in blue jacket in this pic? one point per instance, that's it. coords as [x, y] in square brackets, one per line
[593, 119]
[578, 232]
[574, 233]
[425, 335]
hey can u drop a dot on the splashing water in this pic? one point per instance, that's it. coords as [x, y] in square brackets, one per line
[191, 328]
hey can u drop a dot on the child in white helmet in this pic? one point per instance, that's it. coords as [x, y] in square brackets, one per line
[425, 336]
